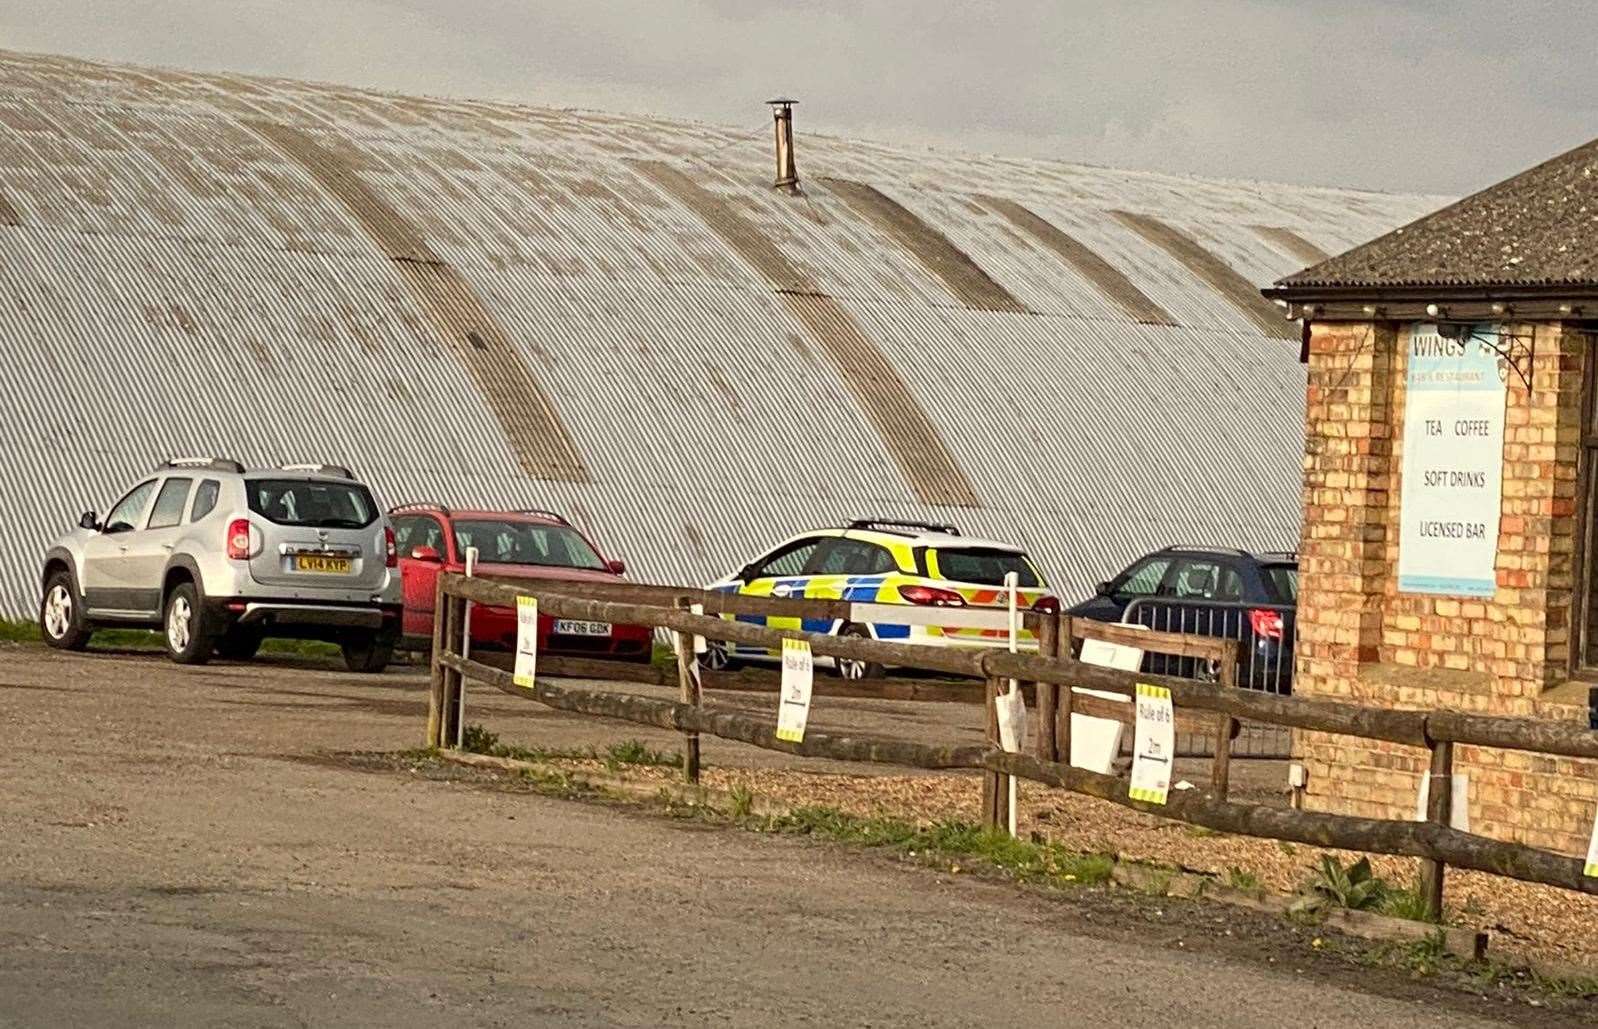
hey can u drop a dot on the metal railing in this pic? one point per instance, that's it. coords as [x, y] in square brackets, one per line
[1264, 634]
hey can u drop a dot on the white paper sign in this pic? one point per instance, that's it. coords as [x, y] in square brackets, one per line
[1592, 853]
[1453, 474]
[526, 641]
[1011, 708]
[1111, 655]
[1096, 742]
[798, 674]
[1154, 745]
[1458, 802]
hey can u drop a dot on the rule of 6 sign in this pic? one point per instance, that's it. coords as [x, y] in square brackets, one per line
[526, 641]
[1154, 744]
[798, 674]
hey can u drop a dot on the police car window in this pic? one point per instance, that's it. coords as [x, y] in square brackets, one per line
[847, 557]
[985, 566]
[790, 560]
[1144, 579]
[879, 562]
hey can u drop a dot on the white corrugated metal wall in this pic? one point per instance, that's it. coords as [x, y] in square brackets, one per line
[175, 284]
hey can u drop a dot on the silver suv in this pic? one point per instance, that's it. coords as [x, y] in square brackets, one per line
[219, 558]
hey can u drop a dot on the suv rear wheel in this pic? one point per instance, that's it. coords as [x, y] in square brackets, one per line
[61, 615]
[368, 652]
[189, 640]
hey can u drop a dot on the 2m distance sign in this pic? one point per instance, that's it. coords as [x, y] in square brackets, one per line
[1453, 472]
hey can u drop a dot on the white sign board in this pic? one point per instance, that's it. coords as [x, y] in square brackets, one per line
[1096, 742]
[1011, 709]
[1458, 802]
[526, 641]
[1591, 869]
[1154, 744]
[798, 674]
[1453, 472]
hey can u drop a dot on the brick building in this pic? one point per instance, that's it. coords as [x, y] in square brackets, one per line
[1459, 575]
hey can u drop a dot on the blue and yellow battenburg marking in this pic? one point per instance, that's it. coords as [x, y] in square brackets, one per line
[881, 589]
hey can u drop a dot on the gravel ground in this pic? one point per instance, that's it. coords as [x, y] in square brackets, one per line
[180, 846]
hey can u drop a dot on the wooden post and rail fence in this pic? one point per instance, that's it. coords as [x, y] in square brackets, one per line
[1055, 677]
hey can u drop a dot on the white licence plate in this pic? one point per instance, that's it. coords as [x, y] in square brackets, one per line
[573, 627]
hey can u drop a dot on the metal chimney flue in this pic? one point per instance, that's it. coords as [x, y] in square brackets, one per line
[787, 170]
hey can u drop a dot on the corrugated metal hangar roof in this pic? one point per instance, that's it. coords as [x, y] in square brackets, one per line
[618, 317]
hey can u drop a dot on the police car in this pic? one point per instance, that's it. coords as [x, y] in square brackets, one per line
[881, 561]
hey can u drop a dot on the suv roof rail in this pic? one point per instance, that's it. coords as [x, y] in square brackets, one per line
[337, 471]
[419, 505]
[1278, 553]
[888, 524]
[213, 464]
[542, 511]
[1193, 548]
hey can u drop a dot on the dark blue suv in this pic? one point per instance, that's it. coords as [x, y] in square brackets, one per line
[1210, 591]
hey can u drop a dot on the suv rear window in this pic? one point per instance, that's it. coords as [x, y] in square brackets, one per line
[322, 505]
[985, 567]
[1281, 581]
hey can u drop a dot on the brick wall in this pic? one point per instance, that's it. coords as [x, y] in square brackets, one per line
[1359, 639]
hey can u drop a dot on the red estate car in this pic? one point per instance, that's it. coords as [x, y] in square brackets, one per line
[432, 538]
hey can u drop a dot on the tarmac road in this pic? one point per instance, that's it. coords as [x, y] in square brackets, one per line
[172, 852]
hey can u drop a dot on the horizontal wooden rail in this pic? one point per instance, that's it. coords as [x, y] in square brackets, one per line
[1345, 832]
[759, 732]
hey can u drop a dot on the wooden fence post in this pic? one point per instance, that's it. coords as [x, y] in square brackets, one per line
[1439, 811]
[436, 671]
[454, 607]
[1047, 692]
[995, 785]
[692, 693]
[1064, 701]
[1226, 727]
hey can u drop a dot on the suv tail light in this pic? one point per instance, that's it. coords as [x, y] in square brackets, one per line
[238, 540]
[1047, 605]
[1266, 623]
[390, 551]
[931, 596]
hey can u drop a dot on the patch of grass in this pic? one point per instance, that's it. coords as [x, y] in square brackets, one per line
[23, 631]
[1405, 904]
[478, 740]
[1241, 879]
[16, 630]
[634, 752]
[743, 801]
[1201, 831]
[950, 841]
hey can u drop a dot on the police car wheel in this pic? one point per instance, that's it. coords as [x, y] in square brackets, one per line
[717, 656]
[852, 670]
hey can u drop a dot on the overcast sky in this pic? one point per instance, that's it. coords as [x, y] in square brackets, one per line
[1440, 96]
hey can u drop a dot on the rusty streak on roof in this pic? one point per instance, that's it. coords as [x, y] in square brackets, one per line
[1088, 264]
[497, 367]
[1222, 277]
[8, 213]
[1291, 242]
[969, 283]
[904, 428]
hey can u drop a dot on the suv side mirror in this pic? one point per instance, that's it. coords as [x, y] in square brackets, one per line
[89, 521]
[747, 572]
[1104, 589]
[429, 554]
[616, 566]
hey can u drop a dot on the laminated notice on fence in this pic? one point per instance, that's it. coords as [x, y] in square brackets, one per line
[1592, 853]
[1154, 744]
[526, 640]
[1011, 709]
[798, 672]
